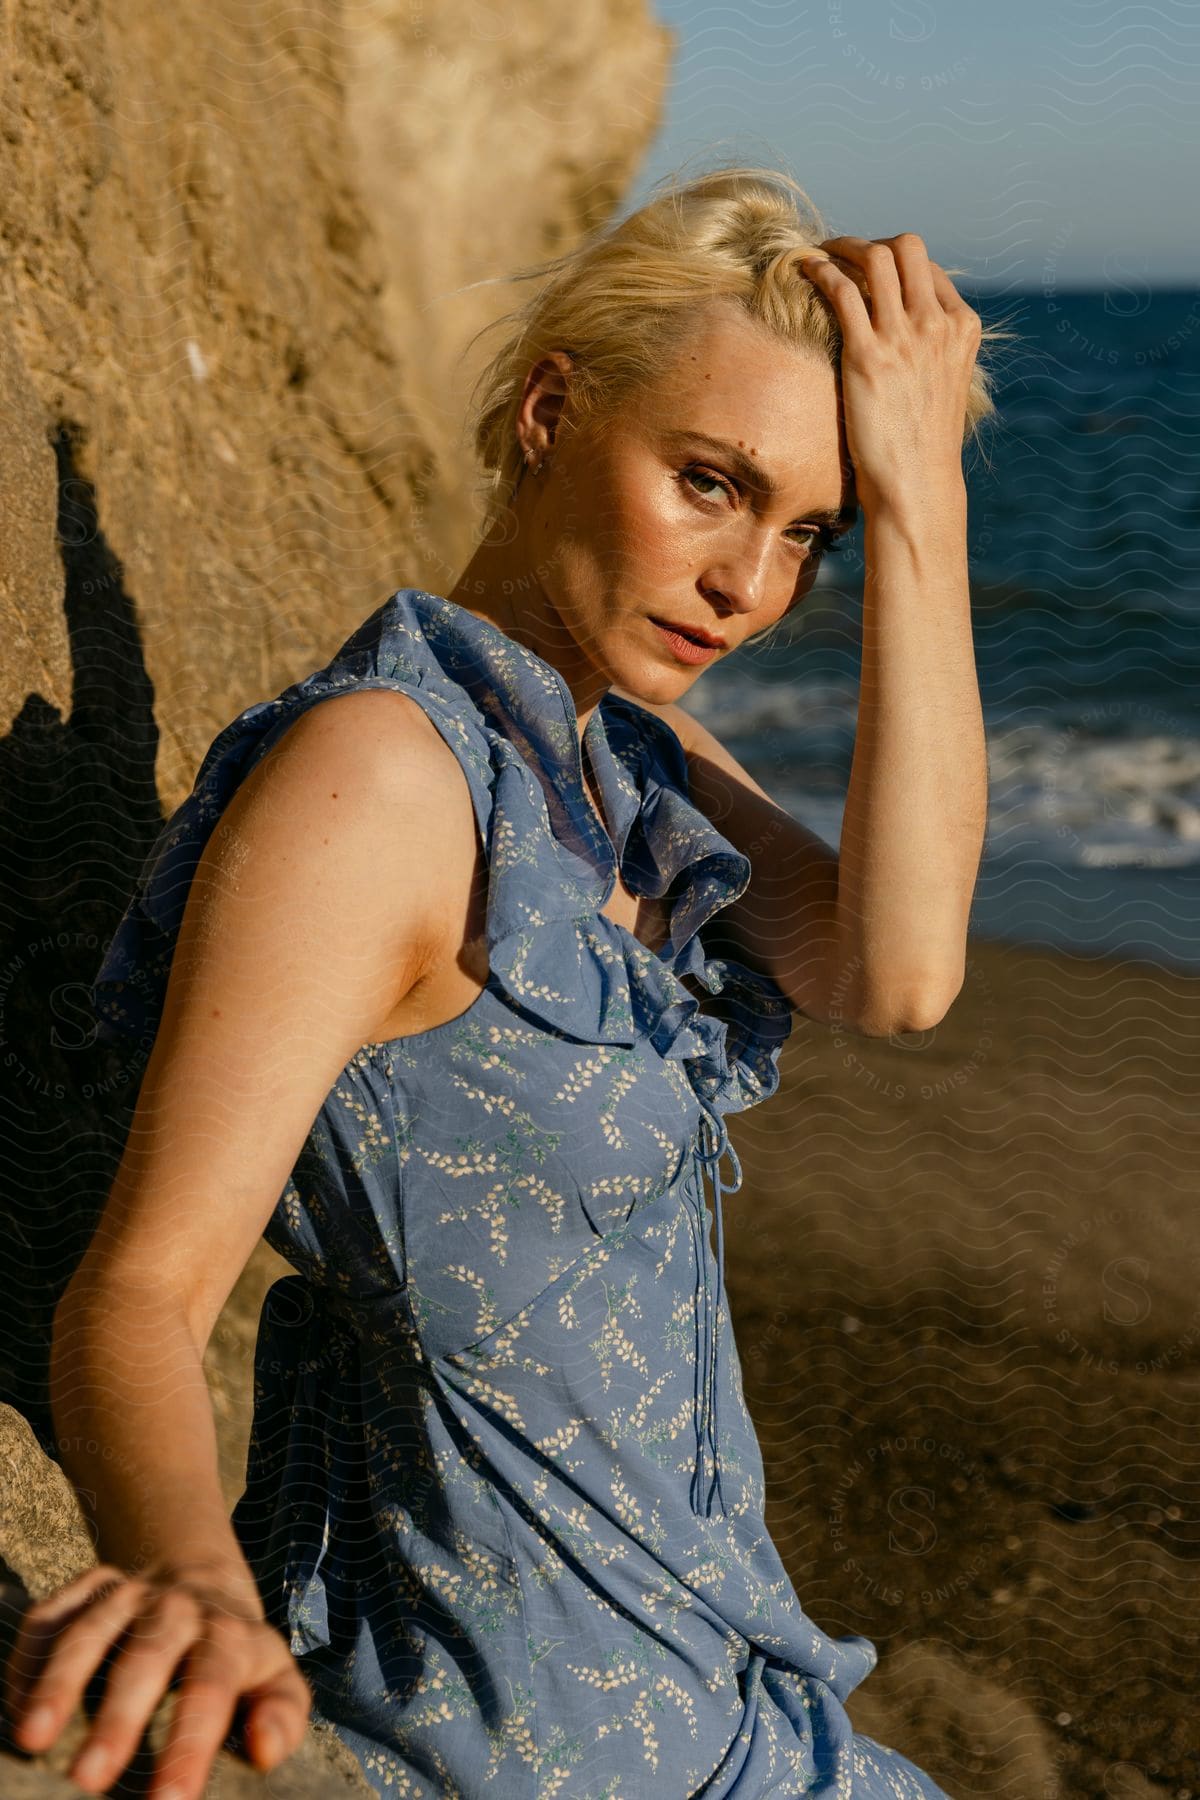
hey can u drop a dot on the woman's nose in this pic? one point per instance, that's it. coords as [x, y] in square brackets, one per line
[743, 576]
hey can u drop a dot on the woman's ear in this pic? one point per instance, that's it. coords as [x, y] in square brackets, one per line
[543, 399]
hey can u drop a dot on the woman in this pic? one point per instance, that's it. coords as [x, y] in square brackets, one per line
[425, 972]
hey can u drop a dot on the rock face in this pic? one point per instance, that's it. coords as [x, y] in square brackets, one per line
[228, 230]
[475, 159]
[231, 388]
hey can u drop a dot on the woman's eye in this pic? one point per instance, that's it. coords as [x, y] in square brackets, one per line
[821, 539]
[692, 476]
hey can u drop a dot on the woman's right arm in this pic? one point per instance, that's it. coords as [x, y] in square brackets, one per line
[314, 908]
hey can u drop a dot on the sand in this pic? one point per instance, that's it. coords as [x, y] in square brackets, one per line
[964, 1271]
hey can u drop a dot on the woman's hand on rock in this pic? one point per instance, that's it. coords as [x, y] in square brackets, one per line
[157, 1621]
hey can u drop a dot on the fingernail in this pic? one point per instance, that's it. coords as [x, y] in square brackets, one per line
[39, 1720]
[92, 1764]
[272, 1741]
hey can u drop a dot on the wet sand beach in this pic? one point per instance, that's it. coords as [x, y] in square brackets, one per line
[965, 1270]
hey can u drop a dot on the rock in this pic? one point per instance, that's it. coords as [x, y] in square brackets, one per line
[476, 157]
[971, 1734]
[44, 1537]
[231, 399]
[228, 235]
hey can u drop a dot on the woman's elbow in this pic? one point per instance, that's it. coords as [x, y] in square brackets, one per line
[919, 1010]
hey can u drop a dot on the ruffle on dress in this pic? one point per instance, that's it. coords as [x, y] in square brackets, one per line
[619, 991]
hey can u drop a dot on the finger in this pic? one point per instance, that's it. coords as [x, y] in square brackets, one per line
[136, 1682]
[205, 1706]
[915, 271]
[27, 1659]
[277, 1717]
[79, 1646]
[949, 298]
[200, 1726]
[38, 1626]
[877, 263]
[843, 295]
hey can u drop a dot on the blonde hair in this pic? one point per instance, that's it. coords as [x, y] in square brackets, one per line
[619, 303]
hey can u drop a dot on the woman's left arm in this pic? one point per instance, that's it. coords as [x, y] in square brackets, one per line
[796, 921]
[916, 806]
[875, 937]
[916, 803]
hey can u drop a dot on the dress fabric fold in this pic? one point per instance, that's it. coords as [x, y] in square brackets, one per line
[504, 1497]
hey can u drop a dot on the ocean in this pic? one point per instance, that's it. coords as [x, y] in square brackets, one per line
[1084, 538]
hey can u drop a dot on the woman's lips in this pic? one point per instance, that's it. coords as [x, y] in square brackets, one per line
[684, 646]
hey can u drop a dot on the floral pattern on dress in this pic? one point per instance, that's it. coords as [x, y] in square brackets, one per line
[504, 1496]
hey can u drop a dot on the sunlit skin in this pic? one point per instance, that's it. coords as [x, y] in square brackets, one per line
[638, 518]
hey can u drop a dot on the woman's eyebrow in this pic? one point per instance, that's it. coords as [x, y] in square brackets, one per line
[755, 476]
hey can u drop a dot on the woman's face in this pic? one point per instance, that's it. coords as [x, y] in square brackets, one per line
[704, 505]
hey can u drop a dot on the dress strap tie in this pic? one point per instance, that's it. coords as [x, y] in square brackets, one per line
[712, 1129]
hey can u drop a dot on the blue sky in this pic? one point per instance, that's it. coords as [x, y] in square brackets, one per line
[1030, 144]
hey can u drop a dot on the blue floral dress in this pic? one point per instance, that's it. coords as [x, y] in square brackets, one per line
[504, 1497]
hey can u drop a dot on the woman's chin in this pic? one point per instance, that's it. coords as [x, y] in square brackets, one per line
[651, 686]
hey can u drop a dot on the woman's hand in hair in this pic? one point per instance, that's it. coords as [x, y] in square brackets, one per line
[909, 345]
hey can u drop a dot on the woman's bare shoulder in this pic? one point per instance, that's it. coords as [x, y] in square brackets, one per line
[386, 737]
[373, 718]
[379, 752]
